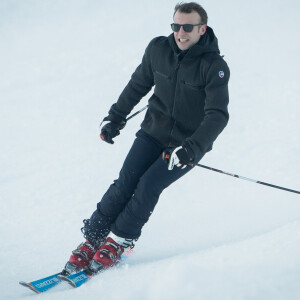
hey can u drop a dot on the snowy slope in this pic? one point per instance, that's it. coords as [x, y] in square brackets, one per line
[211, 236]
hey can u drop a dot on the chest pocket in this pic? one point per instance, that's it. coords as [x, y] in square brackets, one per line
[164, 85]
[198, 86]
[159, 75]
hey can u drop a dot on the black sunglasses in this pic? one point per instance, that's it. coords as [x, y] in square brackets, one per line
[186, 27]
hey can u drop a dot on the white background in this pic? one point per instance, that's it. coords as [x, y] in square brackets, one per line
[63, 64]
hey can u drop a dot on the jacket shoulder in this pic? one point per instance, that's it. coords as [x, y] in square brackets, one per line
[159, 41]
[213, 61]
[213, 57]
[156, 45]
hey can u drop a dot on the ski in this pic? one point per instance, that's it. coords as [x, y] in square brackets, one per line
[42, 285]
[75, 280]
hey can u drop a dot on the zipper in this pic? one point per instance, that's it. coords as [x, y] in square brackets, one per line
[173, 108]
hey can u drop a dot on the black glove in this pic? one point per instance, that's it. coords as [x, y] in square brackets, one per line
[110, 130]
[179, 157]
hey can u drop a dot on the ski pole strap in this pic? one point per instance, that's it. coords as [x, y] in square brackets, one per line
[248, 179]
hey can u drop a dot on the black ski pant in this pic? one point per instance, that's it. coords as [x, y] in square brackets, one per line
[130, 200]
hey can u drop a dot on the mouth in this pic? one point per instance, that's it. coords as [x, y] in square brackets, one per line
[183, 40]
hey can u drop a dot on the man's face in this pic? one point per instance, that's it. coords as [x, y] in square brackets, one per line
[185, 40]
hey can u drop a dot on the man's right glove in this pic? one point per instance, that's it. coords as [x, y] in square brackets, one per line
[110, 130]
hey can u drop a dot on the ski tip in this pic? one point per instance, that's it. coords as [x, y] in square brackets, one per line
[30, 286]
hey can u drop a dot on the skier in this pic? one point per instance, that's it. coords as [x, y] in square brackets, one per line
[186, 113]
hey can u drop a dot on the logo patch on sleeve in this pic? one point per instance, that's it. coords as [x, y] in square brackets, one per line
[221, 74]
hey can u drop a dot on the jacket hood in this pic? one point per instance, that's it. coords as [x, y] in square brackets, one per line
[207, 43]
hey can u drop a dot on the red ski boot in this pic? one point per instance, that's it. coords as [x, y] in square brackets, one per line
[80, 258]
[110, 253]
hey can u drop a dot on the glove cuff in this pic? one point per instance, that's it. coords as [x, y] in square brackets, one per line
[115, 116]
[189, 152]
[115, 120]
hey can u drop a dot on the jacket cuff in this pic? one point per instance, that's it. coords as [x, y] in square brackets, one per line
[189, 151]
[115, 119]
[194, 150]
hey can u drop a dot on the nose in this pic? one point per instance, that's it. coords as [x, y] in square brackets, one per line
[181, 31]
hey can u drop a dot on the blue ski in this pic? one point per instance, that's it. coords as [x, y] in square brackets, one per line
[42, 285]
[75, 280]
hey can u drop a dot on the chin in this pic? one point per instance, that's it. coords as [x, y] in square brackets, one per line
[183, 47]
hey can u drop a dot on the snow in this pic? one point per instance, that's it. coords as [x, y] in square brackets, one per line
[211, 236]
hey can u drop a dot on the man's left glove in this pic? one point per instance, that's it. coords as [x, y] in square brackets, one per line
[179, 157]
[110, 130]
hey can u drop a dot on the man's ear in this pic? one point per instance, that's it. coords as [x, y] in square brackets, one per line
[203, 29]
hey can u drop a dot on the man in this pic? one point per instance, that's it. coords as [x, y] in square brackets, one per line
[186, 113]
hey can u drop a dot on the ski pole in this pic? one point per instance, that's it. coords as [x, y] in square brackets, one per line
[136, 113]
[131, 116]
[227, 173]
[248, 179]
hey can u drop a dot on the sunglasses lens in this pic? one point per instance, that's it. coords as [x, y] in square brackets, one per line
[187, 27]
[175, 27]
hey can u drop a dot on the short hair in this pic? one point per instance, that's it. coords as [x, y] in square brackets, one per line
[190, 7]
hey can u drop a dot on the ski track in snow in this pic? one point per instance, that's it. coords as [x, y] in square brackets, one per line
[211, 236]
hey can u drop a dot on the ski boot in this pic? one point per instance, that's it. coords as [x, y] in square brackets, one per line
[80, 258]
[109, 253]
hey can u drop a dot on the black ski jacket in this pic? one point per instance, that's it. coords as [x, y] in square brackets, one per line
[189, 103]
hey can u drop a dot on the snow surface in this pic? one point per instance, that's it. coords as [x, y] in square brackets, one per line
[211, 236]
